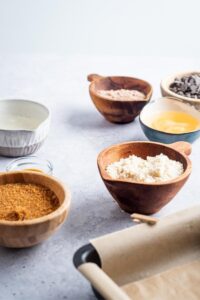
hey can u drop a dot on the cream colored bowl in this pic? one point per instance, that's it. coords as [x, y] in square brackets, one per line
[166, 92]
[24, 126]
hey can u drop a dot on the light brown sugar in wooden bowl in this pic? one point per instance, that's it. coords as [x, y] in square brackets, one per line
[33, 220]
[26, 201]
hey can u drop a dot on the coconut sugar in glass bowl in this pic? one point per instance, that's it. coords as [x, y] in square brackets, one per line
[31, 163]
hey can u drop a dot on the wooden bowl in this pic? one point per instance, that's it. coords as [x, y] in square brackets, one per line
[118, 111]
[145, 198]
[166, 92]
[20, 234]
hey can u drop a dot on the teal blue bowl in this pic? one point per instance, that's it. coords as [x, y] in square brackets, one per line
[154, 108]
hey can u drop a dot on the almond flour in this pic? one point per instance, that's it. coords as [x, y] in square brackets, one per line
[153, 169]
[122, 94]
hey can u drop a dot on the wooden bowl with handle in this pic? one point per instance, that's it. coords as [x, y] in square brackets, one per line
[118, 111]
[20, 234]
[139, 197]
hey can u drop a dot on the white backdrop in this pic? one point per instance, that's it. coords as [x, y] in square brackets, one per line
[99, 27]
[102, 33]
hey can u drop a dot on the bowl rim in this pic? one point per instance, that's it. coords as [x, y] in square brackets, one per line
[107, 178]
[160, 131]
[59, 211]
[164, 84]
[27, 159]
[46, 120]
[93, 91]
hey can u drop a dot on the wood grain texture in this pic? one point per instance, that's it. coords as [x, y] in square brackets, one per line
[118, 111]
[20, 234]
[134, 197]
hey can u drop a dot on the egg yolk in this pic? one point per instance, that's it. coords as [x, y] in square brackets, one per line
[175, 122]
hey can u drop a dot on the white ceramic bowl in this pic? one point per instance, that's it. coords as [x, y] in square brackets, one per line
[24, 125]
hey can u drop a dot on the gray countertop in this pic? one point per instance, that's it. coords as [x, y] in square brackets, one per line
[78, 133]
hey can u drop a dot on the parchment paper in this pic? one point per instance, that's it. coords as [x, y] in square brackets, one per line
[142, 251]
[102, 282]
[182, 283]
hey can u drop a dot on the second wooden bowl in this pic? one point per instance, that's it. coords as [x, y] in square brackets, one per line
[145, 198]
[20, 234]
[118, 111]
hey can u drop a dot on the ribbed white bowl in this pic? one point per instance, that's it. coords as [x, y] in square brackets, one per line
[21, 142]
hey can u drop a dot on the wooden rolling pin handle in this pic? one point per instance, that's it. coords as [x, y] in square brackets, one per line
[144, 219]
[102, 282]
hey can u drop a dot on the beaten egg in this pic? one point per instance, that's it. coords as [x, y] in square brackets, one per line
[175, 122]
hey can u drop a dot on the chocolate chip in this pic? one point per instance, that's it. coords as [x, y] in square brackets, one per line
[188, 86]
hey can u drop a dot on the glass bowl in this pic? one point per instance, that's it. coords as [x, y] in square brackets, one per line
[31, 163]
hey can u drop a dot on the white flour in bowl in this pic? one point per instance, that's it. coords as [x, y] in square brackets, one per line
[122, 94]
[150, 170]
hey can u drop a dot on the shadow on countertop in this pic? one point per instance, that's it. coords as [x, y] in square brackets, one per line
[89, 120]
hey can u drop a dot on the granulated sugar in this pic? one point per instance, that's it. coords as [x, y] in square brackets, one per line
[152, 169]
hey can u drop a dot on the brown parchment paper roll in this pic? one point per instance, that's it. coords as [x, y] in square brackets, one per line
[181, 282]
[142, 251]
[102, 282]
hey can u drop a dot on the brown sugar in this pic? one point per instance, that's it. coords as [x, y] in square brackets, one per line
[25, 201]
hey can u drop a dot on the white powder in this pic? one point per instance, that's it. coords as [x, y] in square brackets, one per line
[122, 94]
[154, 169]
[10, 121]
